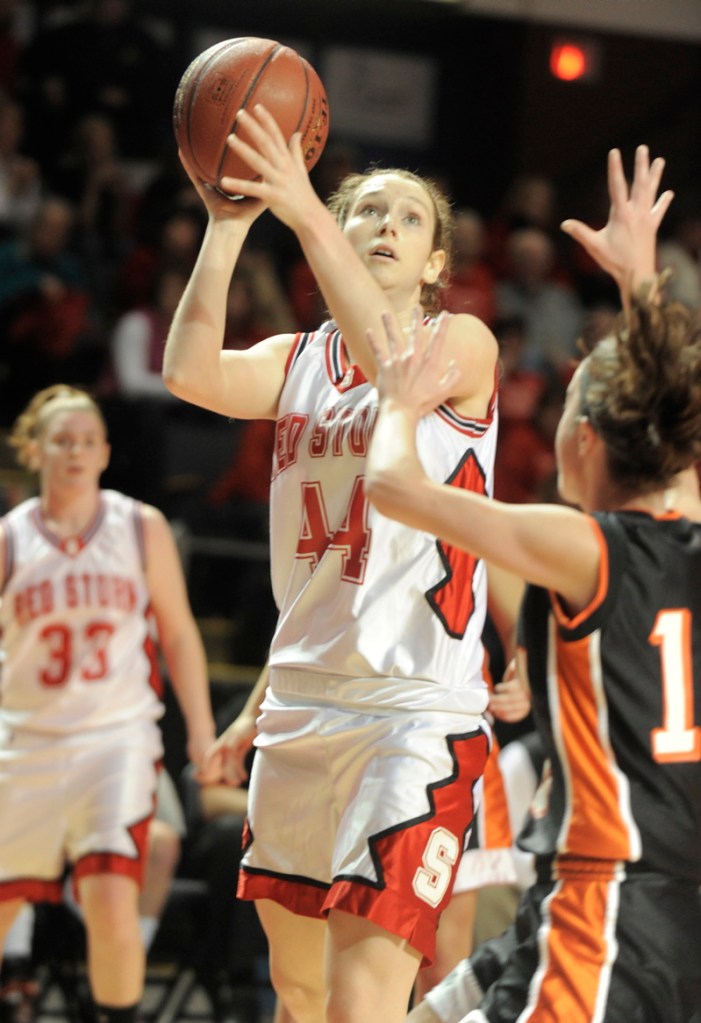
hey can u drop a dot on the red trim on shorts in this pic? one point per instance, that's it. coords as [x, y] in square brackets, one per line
[116, 863]
[299, 895]
[392, 911]
[31, 889]
[398, 853]
[108, 863]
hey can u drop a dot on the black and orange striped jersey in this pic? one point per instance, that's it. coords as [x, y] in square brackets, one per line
[616, 704]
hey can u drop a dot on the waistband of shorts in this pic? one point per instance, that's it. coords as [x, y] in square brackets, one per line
[567, 868]
[17, 737]
[588, 869]
[376, 694]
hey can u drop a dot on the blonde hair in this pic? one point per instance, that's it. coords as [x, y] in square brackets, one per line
[641, 391]
[30, 424]
[340, 202]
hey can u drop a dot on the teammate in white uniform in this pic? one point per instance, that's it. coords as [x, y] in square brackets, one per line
[91, 585]
[371, 736]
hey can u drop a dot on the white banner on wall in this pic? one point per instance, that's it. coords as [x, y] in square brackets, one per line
[667, 19]
[380, 96]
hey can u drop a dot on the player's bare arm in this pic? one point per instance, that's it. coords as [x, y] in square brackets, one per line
[179, 638]
[244, 384]
[230, 749]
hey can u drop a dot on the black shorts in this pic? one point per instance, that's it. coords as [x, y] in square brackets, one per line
[593, 949]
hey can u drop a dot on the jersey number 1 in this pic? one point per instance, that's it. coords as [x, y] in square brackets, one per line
[678, 739]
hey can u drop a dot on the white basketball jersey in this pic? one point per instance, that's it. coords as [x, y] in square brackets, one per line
[360, 595]
[77, 636]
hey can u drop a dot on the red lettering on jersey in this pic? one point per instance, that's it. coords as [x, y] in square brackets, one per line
[352, 538]
[341, 426]
[319, 439]
[86, 590]
[288, 433]
[453, 598]
[314, 529]
[70, 586]
[126, 594]
[107, 590]
[34, 601]
[361, 430]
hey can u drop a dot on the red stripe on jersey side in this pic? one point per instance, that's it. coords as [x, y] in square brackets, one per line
[150, 648]
[595, 824]
[453, 598]
[578, 950]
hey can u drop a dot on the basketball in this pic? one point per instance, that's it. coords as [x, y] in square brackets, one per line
[234, 75]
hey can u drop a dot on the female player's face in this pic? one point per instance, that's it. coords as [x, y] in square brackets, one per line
[391, 225]
[73, 449]
[568, 463]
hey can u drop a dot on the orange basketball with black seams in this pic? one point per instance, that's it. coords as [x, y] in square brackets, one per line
[237, 74]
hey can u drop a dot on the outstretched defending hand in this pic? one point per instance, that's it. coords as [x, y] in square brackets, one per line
[412, 372]
[625, 247]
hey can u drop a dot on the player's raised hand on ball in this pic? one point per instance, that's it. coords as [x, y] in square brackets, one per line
[221, 206]
[283, 180]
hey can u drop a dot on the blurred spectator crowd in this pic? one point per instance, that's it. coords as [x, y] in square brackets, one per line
[99, 229]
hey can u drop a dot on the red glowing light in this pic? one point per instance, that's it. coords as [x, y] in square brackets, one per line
[568, 62]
